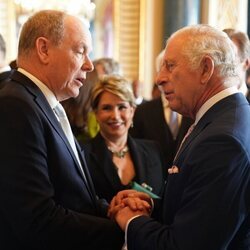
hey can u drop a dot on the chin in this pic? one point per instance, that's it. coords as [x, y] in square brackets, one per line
[74, 93]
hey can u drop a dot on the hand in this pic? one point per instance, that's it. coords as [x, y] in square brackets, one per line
[125, 214]
[118, 199]
[135, 200]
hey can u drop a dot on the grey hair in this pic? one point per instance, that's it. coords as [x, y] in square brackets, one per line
[45, 23]
[114, 84]
[109, 65]
[241, 40]
[204, 40]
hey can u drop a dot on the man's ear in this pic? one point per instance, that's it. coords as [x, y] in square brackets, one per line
[207, 69]
[42, 47]
[247, 64]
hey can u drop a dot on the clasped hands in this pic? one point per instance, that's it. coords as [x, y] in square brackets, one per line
[128, 204]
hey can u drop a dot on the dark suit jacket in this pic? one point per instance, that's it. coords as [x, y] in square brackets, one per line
[206, 205]
[248, 95]
[146, 157]
[5, 75]
[150, 123]
[45, 201]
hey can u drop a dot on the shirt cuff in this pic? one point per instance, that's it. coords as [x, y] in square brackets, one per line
[126, 229]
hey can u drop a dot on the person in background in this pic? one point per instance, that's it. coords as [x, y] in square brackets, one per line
[156, 93]
[242, 43]
[81, 116]
[46, 193]
[154, 120]
[107, 66]
[114, 158]
[5, 69]
[206, 201]
[137, 87]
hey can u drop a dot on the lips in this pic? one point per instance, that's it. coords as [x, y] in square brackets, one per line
[169, 95]
[79, 81]
[115, 124]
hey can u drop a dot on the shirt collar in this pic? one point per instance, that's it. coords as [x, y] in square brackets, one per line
[164, 101]
[49, 95]
[213, 100]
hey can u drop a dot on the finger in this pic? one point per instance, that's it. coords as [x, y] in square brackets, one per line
[136, 204]
[114, 210]
[140, 195]
[123, 194]
[131, 203]
[142, 205]
[113, 202]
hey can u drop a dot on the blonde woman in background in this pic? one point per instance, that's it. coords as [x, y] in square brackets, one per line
[79, 112]
[115, 158]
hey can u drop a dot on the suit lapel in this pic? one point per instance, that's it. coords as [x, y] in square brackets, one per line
[103, 159]
[48, 112]
[138, 157]
[43, 104]
[89, 184]
[208, 118]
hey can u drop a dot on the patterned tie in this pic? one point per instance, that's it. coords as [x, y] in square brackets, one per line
[173, 123]
[191, 128]
[63, 119]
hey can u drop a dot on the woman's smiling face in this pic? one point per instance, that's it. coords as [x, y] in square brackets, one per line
[114, 115]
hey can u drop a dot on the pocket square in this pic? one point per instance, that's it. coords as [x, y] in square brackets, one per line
[173, 170]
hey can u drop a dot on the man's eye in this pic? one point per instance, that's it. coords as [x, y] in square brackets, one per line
[170, 66]
[80, 52]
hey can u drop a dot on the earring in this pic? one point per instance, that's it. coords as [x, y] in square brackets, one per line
[132, 125]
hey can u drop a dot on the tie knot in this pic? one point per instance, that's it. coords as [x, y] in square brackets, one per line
[191, 128]
[59, 110]
[173, 123]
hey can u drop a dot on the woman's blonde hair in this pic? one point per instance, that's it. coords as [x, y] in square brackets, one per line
[114, 84]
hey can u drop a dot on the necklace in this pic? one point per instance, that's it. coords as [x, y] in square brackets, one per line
[120, 154]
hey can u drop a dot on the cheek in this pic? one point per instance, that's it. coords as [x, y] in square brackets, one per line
[102, 118]
[98, 117]
[72, 67]
[129, 116]
[179, 78]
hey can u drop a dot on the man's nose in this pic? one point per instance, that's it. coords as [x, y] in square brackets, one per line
[88, 65]
[161, 78]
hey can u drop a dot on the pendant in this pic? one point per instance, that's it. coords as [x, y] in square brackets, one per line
[120, 154]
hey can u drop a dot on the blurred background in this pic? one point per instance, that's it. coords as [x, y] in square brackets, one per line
[133, 32]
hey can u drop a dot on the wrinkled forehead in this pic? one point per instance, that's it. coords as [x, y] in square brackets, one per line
[75, 26]
[174, 45]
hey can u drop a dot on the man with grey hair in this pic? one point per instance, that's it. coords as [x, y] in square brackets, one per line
[47, 196]
[154, 120]
[206, 201]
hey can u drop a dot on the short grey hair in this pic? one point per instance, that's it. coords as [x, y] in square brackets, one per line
[45, 23]
[204, 40]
